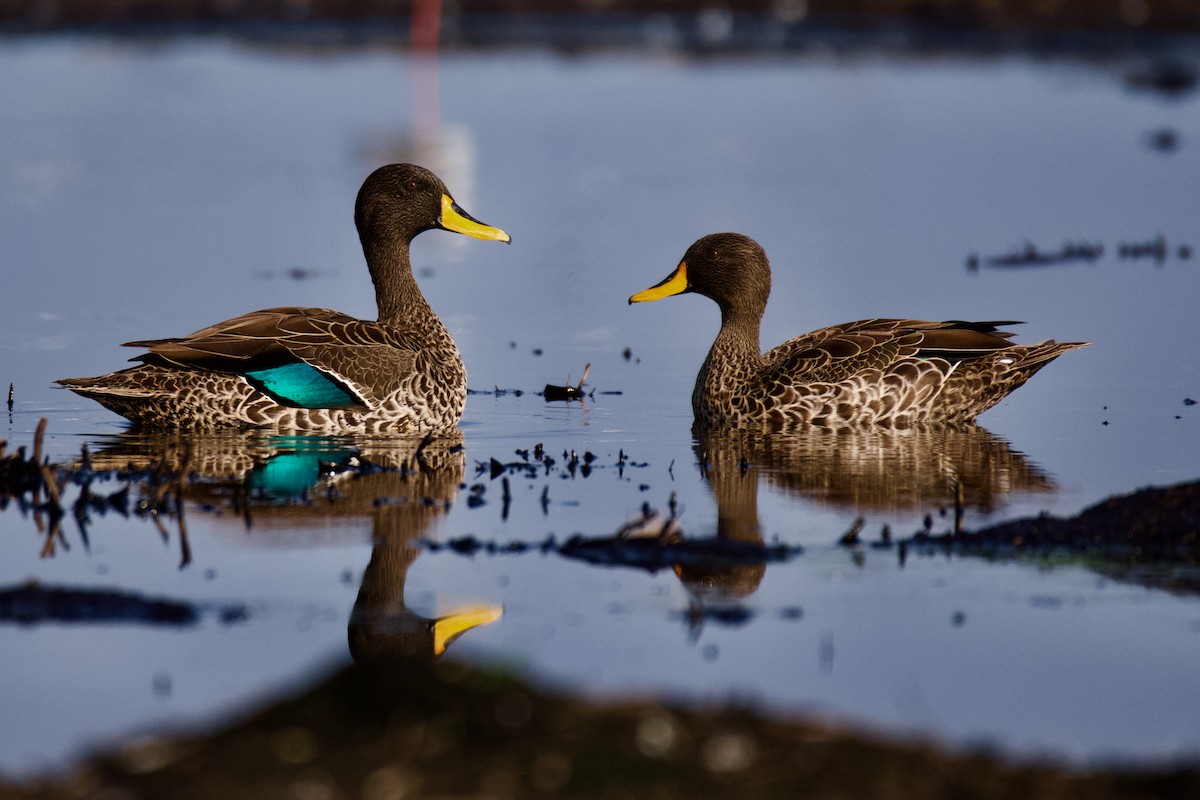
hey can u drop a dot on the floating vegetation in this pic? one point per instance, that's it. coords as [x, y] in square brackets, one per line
[1029, 255]
[497, 392]
[538, 463]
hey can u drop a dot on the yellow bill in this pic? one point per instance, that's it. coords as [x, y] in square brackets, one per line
[675, 283]
[455, 219]
[448, 628]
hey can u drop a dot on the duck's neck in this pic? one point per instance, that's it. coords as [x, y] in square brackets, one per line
[733, 362]
[737, 340]
[397, 295]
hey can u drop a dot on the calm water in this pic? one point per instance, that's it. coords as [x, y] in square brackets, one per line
[149, 189]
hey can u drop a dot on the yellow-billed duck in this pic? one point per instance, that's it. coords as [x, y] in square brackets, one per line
[314, 369]
[892, 372]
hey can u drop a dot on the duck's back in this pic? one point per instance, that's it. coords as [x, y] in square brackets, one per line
[892, 372]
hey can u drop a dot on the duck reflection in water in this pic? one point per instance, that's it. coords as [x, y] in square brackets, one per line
[403, 485]
[879, 471]
[882, 472]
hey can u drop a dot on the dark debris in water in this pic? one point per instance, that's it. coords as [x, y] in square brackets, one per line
[554, 393]
[34, 604]
[657, 553]
[291, 273]
[1030, 256]
[1155, 249]
[569, 392]
[550, 392]
[648, 553]
[497, 392]
[538, 463]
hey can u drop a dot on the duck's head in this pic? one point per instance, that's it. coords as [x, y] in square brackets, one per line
[727, 267]
[401, 200]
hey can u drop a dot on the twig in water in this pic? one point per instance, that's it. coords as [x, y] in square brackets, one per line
[552, 392]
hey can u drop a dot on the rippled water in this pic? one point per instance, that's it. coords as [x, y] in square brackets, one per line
[151, 188]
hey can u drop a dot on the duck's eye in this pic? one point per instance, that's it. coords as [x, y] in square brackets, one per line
[412, 185]
[713, 253]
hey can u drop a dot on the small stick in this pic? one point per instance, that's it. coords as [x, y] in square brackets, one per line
[37, 458]
[52, 492]
[850, 537]
[185, 547]
[37, 439]
[958, 507]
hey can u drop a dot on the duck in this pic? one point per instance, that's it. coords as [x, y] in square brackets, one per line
[874, 372]
[313, 369]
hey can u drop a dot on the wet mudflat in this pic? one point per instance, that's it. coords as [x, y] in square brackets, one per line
[157, 187]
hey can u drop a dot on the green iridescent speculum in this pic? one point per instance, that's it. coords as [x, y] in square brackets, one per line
[301, 385]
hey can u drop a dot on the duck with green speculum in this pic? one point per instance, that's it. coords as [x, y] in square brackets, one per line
[888, 372]
[312, 369]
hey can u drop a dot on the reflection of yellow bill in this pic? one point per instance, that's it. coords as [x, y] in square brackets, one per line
[449, 627]
[455, 219]
[675, 283]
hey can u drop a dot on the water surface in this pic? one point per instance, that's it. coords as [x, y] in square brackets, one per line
[151, 188]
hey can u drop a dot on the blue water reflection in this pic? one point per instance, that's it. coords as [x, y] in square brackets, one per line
[151, 188]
